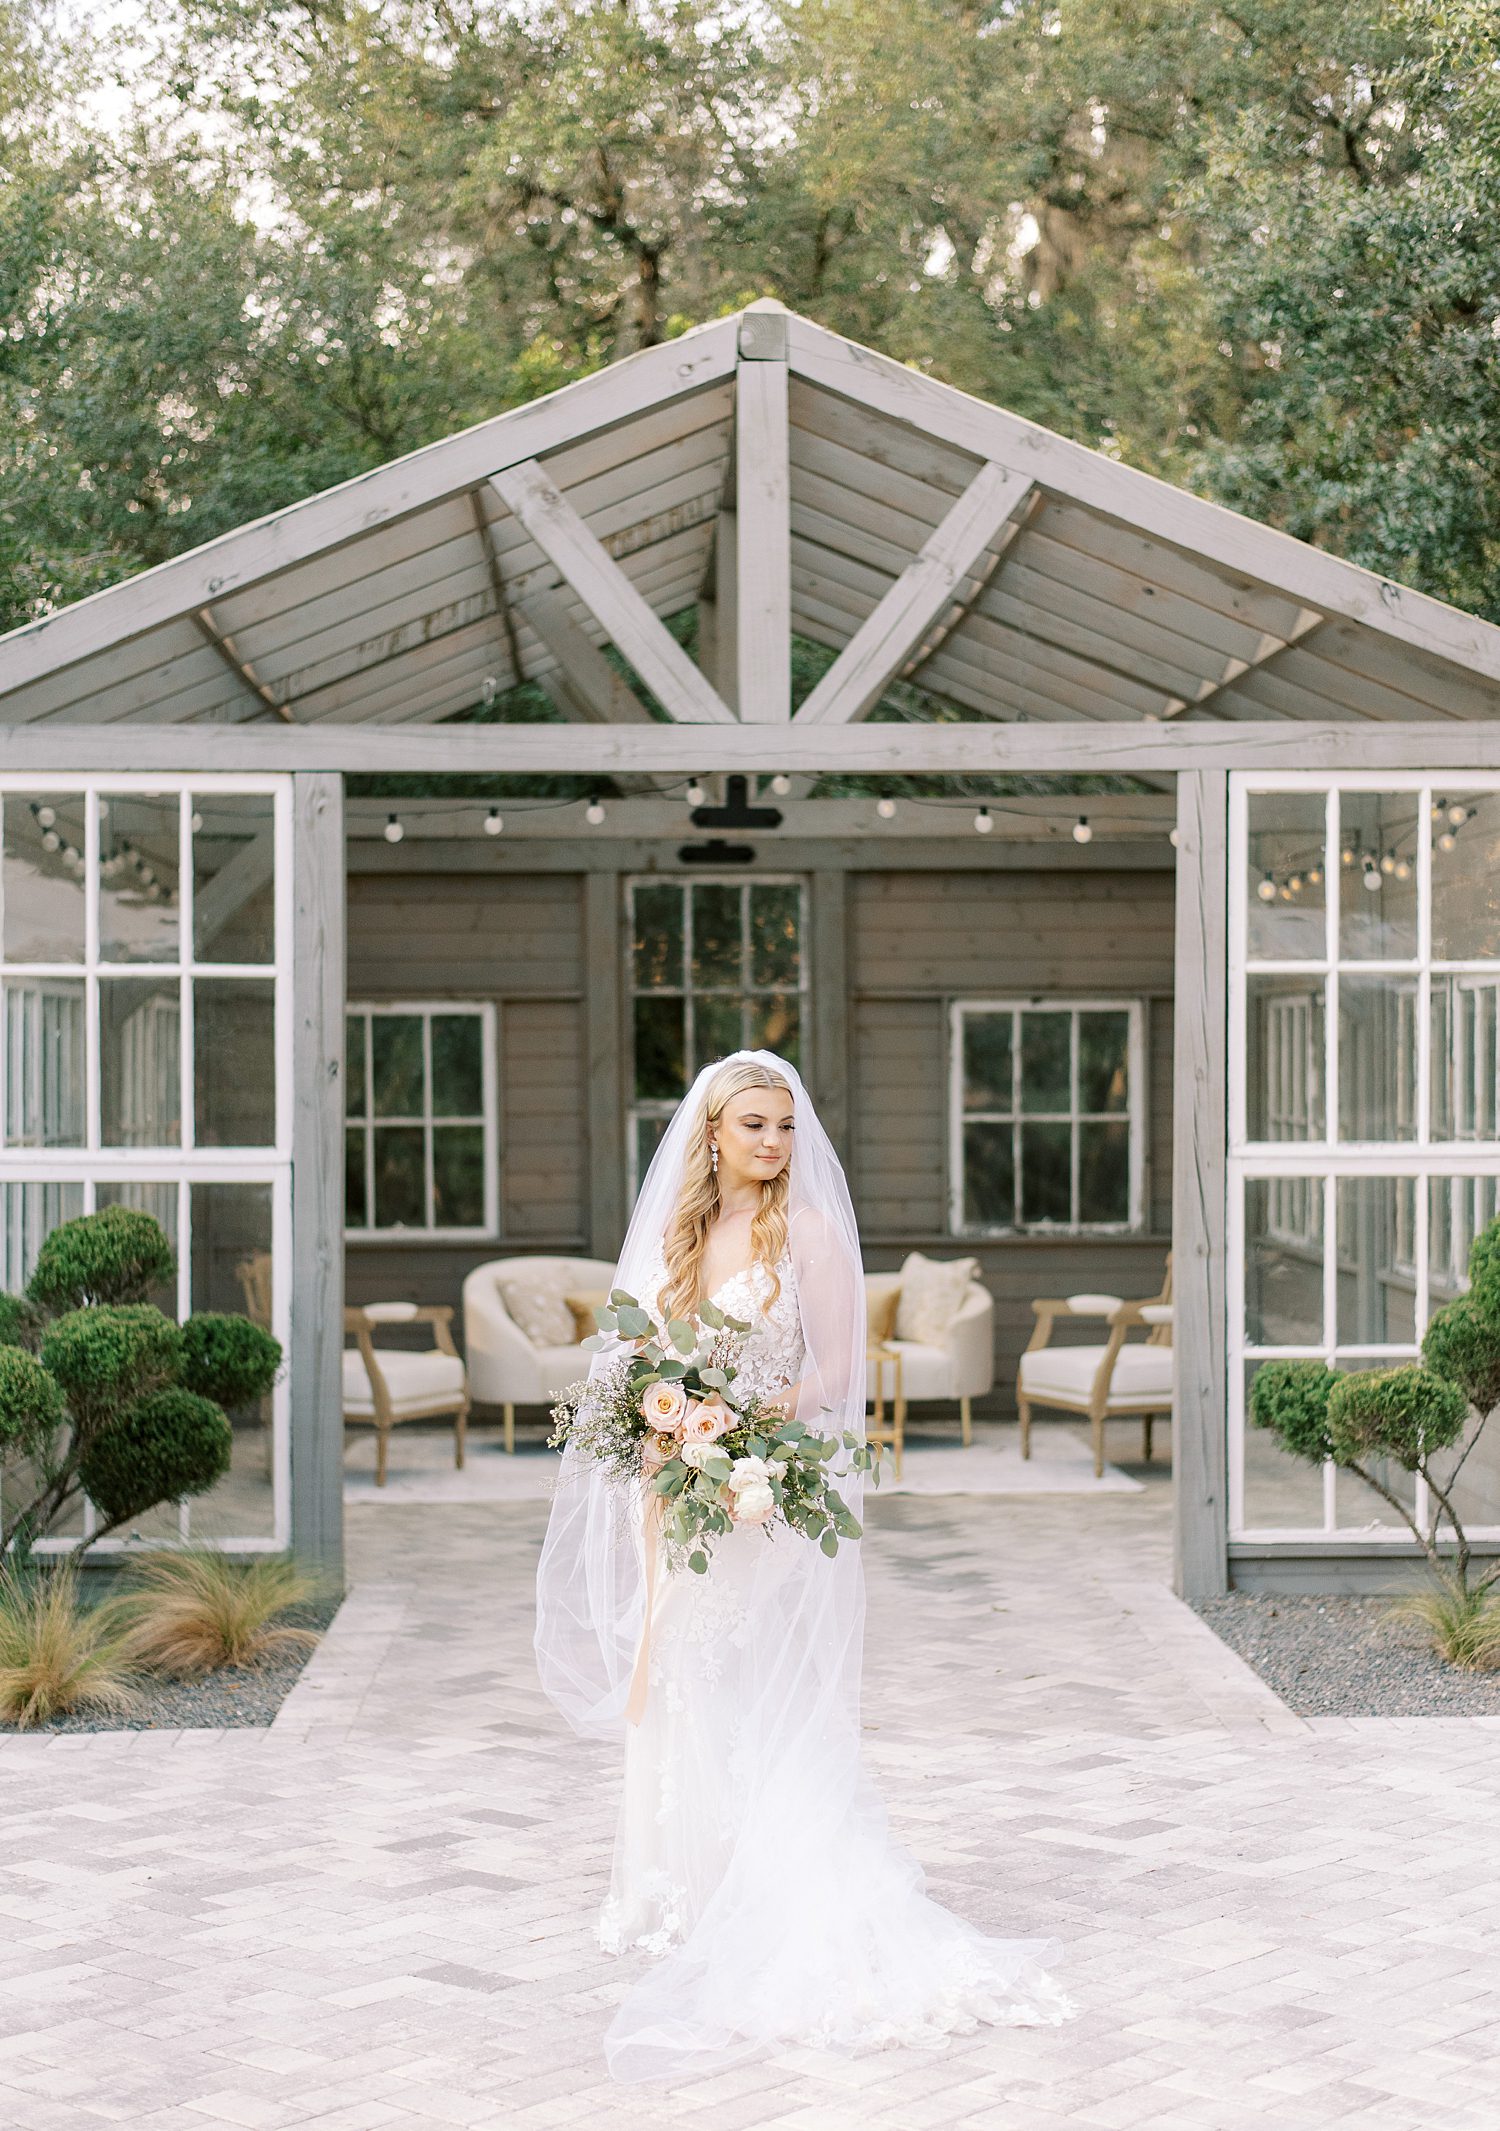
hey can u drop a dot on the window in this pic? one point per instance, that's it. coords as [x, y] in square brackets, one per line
[420, 1140]
[1364, 1094]
[145, 952]
[1045, 1115]
[715, 966]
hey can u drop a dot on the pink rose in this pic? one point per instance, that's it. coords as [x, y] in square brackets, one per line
[706, 1421]
[664, 1405]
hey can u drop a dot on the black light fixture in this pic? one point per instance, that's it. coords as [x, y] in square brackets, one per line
[716, 852]
[736, 812]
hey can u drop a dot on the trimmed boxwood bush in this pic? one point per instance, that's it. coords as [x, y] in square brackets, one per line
[168, 1445]
[113, 1354]
[1407, 1414]
[228, 1359]
[1462, 1344]
[115, 1255]
[31, 1403]
[1290, 1399]
[21, 1322]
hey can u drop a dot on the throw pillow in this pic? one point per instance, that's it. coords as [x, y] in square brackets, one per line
[583, 1306]
[882, 1296]
[537, 1309]
[932, 1291]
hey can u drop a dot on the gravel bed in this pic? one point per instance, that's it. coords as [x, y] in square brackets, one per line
[238, 1697]
[1346, 1657]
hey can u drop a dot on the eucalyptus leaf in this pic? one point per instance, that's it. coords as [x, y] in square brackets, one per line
[670, 1478]
[830, 1544]
[604, 1317]
[792, 1431]
[672, 1372]
[716, 1377]
[681, 1334]
[634, 1322]
[755, 1446]
[698, 1561]
[594, 1345]
[736, 1324]
[712, 1316]
[620, 1298]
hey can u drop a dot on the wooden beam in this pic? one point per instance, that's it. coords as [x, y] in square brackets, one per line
[763, 573]
[224, 895]
[601, 694]
[917, 602]
[1199, 1110]
[264, 698]
[631, 626]
[317, 1267]
[1268, 647]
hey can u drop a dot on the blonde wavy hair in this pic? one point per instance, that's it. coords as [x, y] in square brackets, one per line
[698, 1199]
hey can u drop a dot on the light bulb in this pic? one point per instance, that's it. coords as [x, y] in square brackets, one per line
[51, 841]
[1403, 870]
[1082, 833]
[593, 813]
[885, 807]
[1372, 875]
[984, 821]
[1348, 858]
[195, 823]
[1388, 863]
[1314, 875]
[695, 794]
[1458, 814]
[487, 688]
[1447, 840]
[1295, 884]
[1266, 890]
[1286, 893]
[46, 816]
[393, 829]
[1173, 838]
[1439, 806]
[781, 784]
[146, 873]
[493, 823]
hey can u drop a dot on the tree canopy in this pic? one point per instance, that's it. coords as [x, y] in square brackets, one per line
[253, 249]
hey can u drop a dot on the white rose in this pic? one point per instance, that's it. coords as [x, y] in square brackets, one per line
[744, 1469]
[697, 1454]
[753, 1502]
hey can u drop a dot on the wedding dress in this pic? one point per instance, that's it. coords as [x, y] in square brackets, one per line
[754, 1868]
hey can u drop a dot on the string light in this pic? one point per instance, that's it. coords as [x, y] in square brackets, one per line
[593, 813]
[1347, 857]
[984, 821]
[1388, 863]
[885, 807]
[45, 815]
[1266, 890]
[1371, 874]
[195, 823]
[1294, 885]
[1403, 869]
[1314, 876]
[393, 829]
[1173, 838]
[1458, 815]
[51, 841]
[1082, 833]
[781, 784]
[695, 794]
[1447, 840]
[493, 823]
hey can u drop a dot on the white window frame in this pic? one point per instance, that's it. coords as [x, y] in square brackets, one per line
[1320, 1165]
[181, 1166]
[663, 1106]
[1133, 1115]
[482, 1010]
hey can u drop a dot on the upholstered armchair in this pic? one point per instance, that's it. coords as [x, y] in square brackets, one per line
[953, 1359]
[1113, 1380]
[386, 1385]
[521, 1337]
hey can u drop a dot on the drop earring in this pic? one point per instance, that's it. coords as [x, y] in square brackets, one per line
[713, 1156]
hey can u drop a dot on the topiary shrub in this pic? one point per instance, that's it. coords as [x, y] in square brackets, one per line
[1290, 1400]
[118, 1403]
[115, 1255]
[1406, 1414]
[228, 1359]
[1462, 1345]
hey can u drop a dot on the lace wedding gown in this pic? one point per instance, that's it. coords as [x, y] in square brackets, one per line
[756, 1864]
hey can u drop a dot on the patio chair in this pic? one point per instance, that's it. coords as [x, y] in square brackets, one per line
[523, 1336]
[387, 1385]
[1110, 1382]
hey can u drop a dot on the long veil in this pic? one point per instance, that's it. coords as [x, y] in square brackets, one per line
[819, 1930]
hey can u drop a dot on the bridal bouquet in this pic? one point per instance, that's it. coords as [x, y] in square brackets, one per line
[666, 1411]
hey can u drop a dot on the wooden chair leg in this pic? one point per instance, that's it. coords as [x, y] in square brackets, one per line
[1146, 1437]
[966, 1412]
[460, 1435]
[1098, 1424]
[898, 1431]
[382, 1436]
[510, 1427]
[1023, 1410]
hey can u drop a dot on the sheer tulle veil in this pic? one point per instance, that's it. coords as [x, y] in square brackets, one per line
[591, 1578]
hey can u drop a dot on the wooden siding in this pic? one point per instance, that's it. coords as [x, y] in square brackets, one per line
[464, 936]
[997, 934]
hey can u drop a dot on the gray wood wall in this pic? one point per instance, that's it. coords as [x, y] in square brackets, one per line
[912, 940]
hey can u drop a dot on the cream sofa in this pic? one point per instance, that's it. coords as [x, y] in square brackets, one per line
[959, 1369]
[505, 1367]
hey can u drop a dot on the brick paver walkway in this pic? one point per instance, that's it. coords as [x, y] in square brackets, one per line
[377, 1914]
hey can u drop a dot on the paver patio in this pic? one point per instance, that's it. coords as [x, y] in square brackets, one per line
[377, 1913]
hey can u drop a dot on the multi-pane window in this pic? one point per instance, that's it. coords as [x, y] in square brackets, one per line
[1045, 1116]
[419, 1136]
[144, 994]
[715, 966]
[1364, 1096]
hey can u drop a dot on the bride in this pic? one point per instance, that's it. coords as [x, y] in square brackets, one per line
[753, 1859]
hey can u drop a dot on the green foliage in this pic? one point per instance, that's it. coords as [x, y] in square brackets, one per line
[1460, 1622]
[1462, 1343]
[1290, 1399]
[1484, 1270]
[228, 1359]
[107, 1356]
[56, 1655]
[20, 1322]
[117, 1255]
[192, 1611]
[168, 1445]
[1405, 1414]
[31, 1404]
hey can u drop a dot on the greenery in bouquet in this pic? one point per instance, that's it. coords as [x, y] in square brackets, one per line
[663, 1411]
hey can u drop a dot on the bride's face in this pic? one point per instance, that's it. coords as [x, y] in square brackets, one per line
[754, 1135]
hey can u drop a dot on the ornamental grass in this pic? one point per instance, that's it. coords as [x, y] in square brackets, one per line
[192, 1612]
[1462, 1626]
[58, 1656]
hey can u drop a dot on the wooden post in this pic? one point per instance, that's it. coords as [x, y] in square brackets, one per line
[828, 1038]
[604, 1036]
[317, 1269]
[1199, 1112]
[762, 482]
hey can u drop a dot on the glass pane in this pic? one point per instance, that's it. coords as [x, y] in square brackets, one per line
[775, 950]
[648, 1133]
[140, 1076]
[660, 1049]
[1378, 875]
[1377, 1253]
[42, 884]
[1358, 1507]
[1286, 1069]
[354, 1064]
[1104, 1172]
[232, 1272]
[775, 1025]
[1287, 887]
[989, 1176]
[234, 1061]
[1284, 1262]
[717, 1029]
[356, 1203]
[657, 945]
[1458, 1208]
[1103, 1062]
[396, 1064]
[44, 1068]
[160, 1201]
[234, 859]
[988, 1056]
[457, 1065]
[1282, 1492]
[458, 1176]
[139, 864]
[716, 936]
[28, 1215]
[400, 1179]
[1465, 876]
[1377, 1059]
[1046, 1171]
[1465, 1057]
[1046, 1076]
